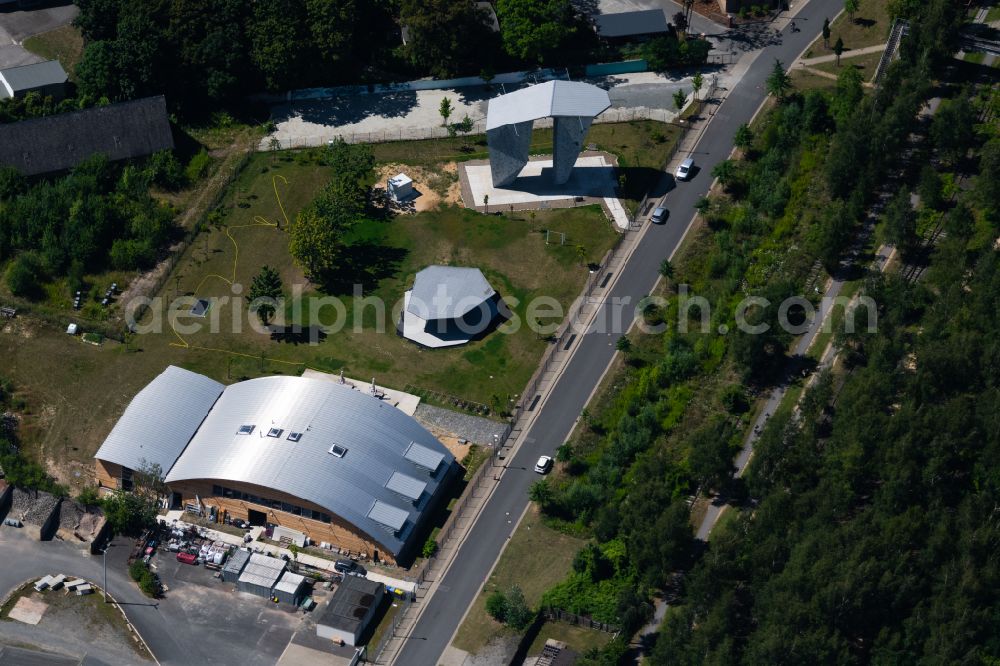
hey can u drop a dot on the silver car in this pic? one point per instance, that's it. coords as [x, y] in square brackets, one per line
[684, 170]
[543, 465]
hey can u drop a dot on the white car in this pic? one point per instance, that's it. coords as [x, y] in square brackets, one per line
[543, 465]
[684, 170]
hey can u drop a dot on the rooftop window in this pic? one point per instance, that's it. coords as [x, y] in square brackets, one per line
[246, 429]
[338, 450]
[294, 436]
[275, 432]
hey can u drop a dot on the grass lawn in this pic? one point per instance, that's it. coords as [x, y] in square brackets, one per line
[536, 558]
[805, 80]
[870, 27]
[993, 14]
[866, 64]
[64, 44]
[510, 250]
[975, 57]
[579, 639]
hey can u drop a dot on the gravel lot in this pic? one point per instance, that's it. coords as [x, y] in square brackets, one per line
[466, 426]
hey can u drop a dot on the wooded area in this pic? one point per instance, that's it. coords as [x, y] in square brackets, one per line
[864, 531]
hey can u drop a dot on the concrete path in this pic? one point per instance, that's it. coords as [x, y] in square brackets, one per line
[853, 53]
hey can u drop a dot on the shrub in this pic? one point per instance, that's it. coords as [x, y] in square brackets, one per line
[140, 573]
[25, 276]
[430, 548]
[496, 606]
[198, 166]
[164, 170]
[89, 496]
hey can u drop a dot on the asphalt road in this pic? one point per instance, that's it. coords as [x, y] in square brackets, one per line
[475, 558]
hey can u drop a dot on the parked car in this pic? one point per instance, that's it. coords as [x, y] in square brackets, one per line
[346, 566]
[187, 558]
[659, 215]
[543, 465]
[684, 170]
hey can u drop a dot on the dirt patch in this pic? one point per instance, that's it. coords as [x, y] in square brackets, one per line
[451, 442]
[436, 185]
[28, 610]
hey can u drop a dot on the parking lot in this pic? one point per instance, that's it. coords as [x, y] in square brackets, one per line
[17, 25]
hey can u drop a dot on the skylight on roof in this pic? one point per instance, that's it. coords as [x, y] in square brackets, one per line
[246, 429]
[275, 432]
[294, 436]
[338, 450]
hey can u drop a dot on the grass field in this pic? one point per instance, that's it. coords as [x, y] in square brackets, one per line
[870, 27]
[975, 57]
[536, 558]
[805, 80]
[579, 639]
[64, 44]
[866, 64]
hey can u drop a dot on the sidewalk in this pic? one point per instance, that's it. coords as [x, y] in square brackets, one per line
[846, 54]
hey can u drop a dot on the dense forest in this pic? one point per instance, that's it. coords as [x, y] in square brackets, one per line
[203, 55]
[865, 531]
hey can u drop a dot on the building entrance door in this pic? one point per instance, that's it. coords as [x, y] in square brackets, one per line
[256, 518]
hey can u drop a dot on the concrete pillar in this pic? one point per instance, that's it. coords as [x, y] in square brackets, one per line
[567, 141]
[509, 146]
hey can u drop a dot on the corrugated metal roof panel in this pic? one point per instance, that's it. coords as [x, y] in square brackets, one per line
[388, 515]
[36, 75]
[161, 420]
[290, 582]
[423, 456]
[406, 485]
[377, 435]
[625, 24]
[448, 292]
[553, 98]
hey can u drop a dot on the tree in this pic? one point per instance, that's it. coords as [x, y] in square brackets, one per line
[838, 49]
[826, 33]
[25, 276]
[901, 221]
[953, 128]
[533, 29]
[446, 38]
[667, 269]
[12, 183]
[848, 95]
[725, 171]
[517, 613]
[445, 110]
[265, 291]
[696, 82]
[624, 345]
[778, 81]
[743, 138]
[851, 7]
[680, 21]
[316, 242]
[679, 99]
[496, 606]
[129, 513]
[930, 188]
[277, 42]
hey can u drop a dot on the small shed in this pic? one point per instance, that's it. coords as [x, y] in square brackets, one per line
[350, 610]
[72, 329]
[260, 575]
[290, 589]
[400, 187]
[286, 535]
[623, 26]
[234, 566]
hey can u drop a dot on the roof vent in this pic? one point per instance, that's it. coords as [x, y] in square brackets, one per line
[275, 432]
[338, 450]
[246, 429]
[294, 436]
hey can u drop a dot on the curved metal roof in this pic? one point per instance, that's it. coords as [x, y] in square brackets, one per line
[361, 485]
[161, 420]
[553, 98]
[448, 292]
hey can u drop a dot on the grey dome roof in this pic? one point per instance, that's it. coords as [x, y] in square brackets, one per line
[448, 292]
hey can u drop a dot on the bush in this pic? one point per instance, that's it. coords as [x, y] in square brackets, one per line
[430, 548]
[510, 608]
[148, 583]
[198, 166]
[164, 170]
[89, 496]
[25, 276]
[496, 606]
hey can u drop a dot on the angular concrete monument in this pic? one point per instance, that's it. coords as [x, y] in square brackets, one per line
[509, 119]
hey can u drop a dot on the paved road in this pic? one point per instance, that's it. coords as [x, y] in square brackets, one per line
[17, 25]
[475, 558]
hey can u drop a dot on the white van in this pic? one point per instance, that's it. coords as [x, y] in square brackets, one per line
[684, 170]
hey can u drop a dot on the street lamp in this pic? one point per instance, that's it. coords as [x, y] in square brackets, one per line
[104, 554]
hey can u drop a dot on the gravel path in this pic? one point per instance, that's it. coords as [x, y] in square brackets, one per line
[476, 429]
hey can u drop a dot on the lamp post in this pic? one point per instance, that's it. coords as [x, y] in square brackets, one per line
[104, 553]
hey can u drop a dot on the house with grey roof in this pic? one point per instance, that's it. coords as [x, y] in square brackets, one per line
[46, 78]
[449, 306]
[56, 143]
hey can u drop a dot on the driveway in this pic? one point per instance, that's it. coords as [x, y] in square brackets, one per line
[200, 620]
[17, 25]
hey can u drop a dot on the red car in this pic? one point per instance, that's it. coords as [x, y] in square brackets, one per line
[187, 558]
